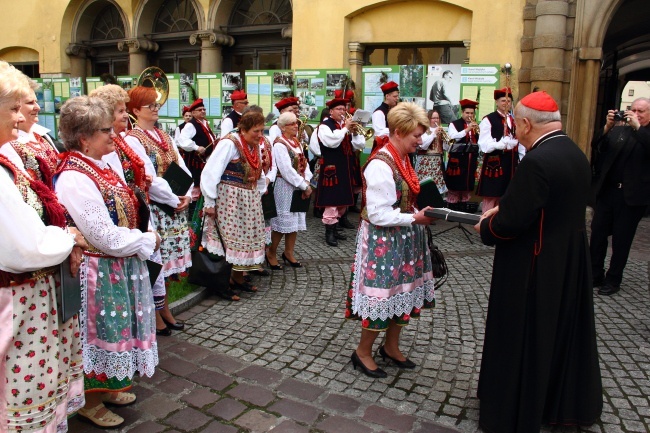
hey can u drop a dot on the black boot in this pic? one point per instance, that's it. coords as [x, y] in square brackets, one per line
[345, 222]
[330, 235]
[338, 233]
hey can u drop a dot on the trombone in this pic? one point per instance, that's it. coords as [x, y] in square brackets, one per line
[357, 129]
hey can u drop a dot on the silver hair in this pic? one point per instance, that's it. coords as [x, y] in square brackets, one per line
[537, 117]
[286, 118]
[81, 117]
[644, 99]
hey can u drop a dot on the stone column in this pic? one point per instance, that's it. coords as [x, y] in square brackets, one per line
[549, 44]
[211, 43]
[467, 43]
[355, 60]
[138, 49]
[78, 54]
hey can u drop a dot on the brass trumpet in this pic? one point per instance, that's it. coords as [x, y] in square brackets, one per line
[475, 129]
[304, 127]
[443, 136]
[357, 129]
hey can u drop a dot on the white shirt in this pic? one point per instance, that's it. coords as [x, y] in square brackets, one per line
[85, 204]
[379, 123]
[333, 139]
[381, 195]
[227, 126]
[488, 144]
[27, 243]
[283, 161]
[185, 138]
[428, 137]
[455, 135]
[225, 152]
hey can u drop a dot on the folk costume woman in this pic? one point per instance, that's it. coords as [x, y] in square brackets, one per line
[117, 315]
[40, 356]
[232, 183]
[293, 174]
[428, 160]
[157, 150]
[392, 278]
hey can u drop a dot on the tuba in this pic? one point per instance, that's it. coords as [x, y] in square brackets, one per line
[154, 77]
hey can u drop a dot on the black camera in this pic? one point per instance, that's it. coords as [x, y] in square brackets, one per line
[619, 116]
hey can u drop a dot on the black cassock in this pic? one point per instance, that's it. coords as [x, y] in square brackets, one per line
[540, 360]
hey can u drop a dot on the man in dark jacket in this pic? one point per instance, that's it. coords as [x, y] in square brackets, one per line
[540, 359]
[622, 191]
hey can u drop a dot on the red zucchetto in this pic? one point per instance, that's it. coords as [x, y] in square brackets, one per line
[540, 101]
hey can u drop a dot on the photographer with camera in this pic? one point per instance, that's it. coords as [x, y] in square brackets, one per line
[621, 188]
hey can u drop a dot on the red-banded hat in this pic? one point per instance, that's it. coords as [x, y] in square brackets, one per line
[286, 102]
[467, 103]
[540, 101]
[501, 93]
[338, 93]
[336, 102]
[238, 95]
[196, 104]
[389, 87]
[186, 109]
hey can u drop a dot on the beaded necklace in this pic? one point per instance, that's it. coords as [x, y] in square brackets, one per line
[131, 162]
[405, 169]
[252, 158]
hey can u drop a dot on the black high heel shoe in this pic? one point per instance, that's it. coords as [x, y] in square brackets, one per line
[376, 373]
[277, 267]
[244, 287]
[285, 259]
[401, 364]
[178, 326]
[165, 332]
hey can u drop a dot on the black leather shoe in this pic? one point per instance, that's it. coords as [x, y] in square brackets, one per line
[165, 332]
[345, 223]
[356, 362]
[330, 235]
[608, 290]
[401, 364]
[598, 282]
[260, 272]
[178, 326]
[338, 234]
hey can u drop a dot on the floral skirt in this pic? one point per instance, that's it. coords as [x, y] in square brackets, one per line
[286, 221]
[241, 223]
[431, 166]
[175, 244]
[41, 375]
[392, 277]
[118, 324]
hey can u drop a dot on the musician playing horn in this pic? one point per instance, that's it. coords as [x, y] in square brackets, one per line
[379, 122]
[463, 156]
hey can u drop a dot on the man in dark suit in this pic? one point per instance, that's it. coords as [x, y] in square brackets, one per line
[540, 359]
[622, 191]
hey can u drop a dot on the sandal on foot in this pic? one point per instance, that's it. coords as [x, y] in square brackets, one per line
[227, 294]
[244, 287]
[107, 420]
[119, 398]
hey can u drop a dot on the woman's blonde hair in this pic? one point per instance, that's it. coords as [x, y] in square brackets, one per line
[14, 84]
[405, 117]
[112, 94]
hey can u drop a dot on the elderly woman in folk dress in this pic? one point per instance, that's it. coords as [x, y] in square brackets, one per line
[117, 316]
[392, 276]
[428, 159]
[40, 356]
[293, 174]
[157, 149]
[232, 183]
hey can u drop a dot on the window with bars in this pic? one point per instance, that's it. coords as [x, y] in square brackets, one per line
[108, 25]
[261, 12]
[176, 16]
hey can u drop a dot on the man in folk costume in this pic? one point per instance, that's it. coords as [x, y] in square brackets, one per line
[540, 359]
[380, 115]
[335, 183]
[197, 142]
[463, 156]
[498, 141]
[290, 104]
[355, 162]
[239, 103]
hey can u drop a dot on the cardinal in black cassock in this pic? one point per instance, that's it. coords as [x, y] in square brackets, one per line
[540, 360]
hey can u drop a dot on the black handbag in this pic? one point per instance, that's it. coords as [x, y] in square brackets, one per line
[438, 263]
[209, 270]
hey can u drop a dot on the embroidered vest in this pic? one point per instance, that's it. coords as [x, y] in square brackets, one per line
[405, 199]
[39, 158]
[132, 165]
[239, 172]
[298, 160]
[160, 154]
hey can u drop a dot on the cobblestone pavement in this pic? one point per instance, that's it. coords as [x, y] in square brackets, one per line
[279, 360]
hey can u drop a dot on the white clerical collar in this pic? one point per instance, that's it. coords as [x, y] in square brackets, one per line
[543, 138]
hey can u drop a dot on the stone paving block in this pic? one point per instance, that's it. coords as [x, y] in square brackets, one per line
[296, 411]
[262, 376]
[177, 366]
[303, 391]
[145, 427]
[211, 379]
[290, 427]
[188, 419]
[227, 408]
[200, 397]
[257, 421]
[338, 424]
[341, 403]
[227, 364]
[253, 394]
[426, 427]
[157, 377]
[77, 425]
[190, 352]
[175, 385]
[159, 406]
[217, 427]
